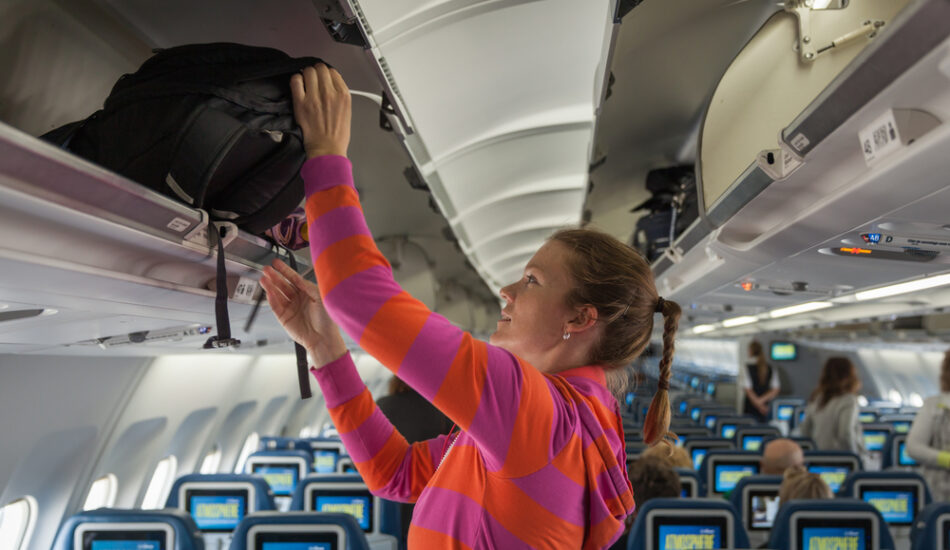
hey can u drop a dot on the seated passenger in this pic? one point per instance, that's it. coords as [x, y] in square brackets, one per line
[653, 477]
[800, 484]
[672, 456]
[928, 441]
[526, 403]
[780, 455]
[831, 417]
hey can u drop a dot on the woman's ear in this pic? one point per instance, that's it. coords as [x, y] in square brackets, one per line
[584, 318]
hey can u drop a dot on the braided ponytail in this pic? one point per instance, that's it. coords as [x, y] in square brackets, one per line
[656, 427]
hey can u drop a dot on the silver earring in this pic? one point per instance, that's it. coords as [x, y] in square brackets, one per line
[567, 335]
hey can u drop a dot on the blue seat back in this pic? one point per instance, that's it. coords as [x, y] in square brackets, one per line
[690, 479]
[746, 486]
[759, 432]
[932, 528]
[859, 482]
[833, 459]
[261, 500]
[742, 460]
[783, 408]
[684, 512]
[827, 511]
[329, 445]
[698, 444]
[386, 513]
[893, 458]
[183, 528]
[256, 525]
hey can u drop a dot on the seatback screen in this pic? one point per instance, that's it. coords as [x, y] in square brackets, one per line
[752, 442]
[124, 540]
[903, 458]
[833, 537]
[785, 412]
[760, 508]
[699, 453]
[324, 460]
[867, 417]
[679, 532]
[296, 541]
[356, 503]
[874, 440]
[216, 511]
[727, 431]
[901, 426]
[834, 476]
[784, 351]
[282, 478]
[898, 505]
[726, 475]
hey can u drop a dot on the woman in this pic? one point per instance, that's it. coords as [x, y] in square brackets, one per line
[799, 484]
[831, 417]
[929, 439]
[761, 384]
[540, 459]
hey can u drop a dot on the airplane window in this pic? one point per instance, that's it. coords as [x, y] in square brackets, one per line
[306, 432]
[102, 493]
[211, 461]
[161, 483]
[250, 445]
[916, 400]
[895, 396]
[16, 523]
[828, 4]
[862, 401]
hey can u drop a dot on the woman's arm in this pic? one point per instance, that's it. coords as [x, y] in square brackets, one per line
[485, 390]
[849, 426]
[920, 436]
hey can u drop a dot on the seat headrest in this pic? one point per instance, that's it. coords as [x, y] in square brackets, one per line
[781, 536]
[848, 488]
[285, 522]
[284, 453]
[386, 512]
[262, 498]
[274, 443]
[756, 480]
[747, 457]
[186, 534]
[931, 525]
[699, 508]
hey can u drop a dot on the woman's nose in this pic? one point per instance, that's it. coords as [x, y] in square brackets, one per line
[507, 293]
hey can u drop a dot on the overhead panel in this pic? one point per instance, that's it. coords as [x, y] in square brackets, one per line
[502, 96]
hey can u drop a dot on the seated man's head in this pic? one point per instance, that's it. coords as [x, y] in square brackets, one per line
[780, 455]
[800, 484]
[653, 478]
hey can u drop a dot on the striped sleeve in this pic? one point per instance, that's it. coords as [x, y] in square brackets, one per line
[391, 467]
[483, 389]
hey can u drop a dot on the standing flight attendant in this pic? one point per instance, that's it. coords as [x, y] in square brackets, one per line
[539, 461]
[761, 383]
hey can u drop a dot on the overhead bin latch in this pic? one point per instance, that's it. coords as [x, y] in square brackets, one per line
[811, 46]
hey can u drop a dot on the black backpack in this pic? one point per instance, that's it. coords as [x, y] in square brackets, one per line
[210, 125]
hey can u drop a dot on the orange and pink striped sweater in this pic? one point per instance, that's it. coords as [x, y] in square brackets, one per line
[540, 460]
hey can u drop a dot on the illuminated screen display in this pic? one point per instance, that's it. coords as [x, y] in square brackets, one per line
[867, 417]
[901, 427]
[324, 460]
[677, 537]
[126, 545]
[694, 413]
[903, 458]
[784, 351]
[833, 537]
[874, 440]
[711, 388]
[801, 416]
[752, 442]
[727, 431]
[684, 406]
[296, 541]
[698, 455]
[785, 412]
[629, 399]
[694, 383]
[711, 421]
[281, 478]
[215, 511]
[726, 476]
[834, 476]
[762, 506]
[358, 504]
[897, 506]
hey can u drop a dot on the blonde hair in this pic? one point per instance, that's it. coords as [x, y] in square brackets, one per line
[618, 282]
[798, 483]
[672, 456]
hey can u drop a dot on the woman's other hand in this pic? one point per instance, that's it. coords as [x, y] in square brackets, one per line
[297, 304]
[322, 109]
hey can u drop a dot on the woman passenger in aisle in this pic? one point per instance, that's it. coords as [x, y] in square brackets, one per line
[539, 461]
[929, 439]
[831, 417]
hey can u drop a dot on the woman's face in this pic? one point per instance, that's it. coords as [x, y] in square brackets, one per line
[536, 314]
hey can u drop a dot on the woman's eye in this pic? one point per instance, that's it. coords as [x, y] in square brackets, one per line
[530, 279]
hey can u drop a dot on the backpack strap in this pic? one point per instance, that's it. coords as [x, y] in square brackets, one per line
[204, 142]
[222, 319]
[303, 370]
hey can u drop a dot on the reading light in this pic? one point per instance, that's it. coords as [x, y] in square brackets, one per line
[700, 329]
[904, 288]
[800, 308]
[739, 321]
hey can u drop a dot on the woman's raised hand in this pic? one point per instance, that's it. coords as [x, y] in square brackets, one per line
[322, 109]
[297, 304]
